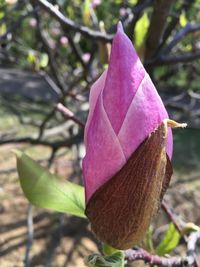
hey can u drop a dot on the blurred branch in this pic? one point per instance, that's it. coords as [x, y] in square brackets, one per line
[30, 235]
[186, 5]
[35, 141]
[163, 57]
[15, 25]
[50, 82]
[173, 59]
[191, 258]
[52, 62]
[76, 50]
[189, 28]
[169, 29]
[172, 216]
[157, 25]
[69, 114]
[130, 20]
[68, 24]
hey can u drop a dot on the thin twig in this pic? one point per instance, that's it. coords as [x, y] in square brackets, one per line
[54, 68]
[170, 213]
[69, 114]
[30, 236]
[189, 28]
[35, 141]
[190, 241]
[70, 24]
[15, 25]
[173, 59]
[189, 260]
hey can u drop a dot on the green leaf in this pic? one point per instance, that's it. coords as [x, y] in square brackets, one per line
[86, 13]
[140, 31]
[46, 190]
[189, 227]
[169, 242]
[149, 239]
[2, 14]
[132, 2]
[108, 250]
[183, 19]
[31, 57]
[3, 29]
[44, 59]
[96, 260]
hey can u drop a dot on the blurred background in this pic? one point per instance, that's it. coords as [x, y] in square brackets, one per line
[52, 52]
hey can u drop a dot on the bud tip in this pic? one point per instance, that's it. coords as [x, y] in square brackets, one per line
[174, 124]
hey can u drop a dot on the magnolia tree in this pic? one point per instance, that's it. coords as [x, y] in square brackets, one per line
[127, 135]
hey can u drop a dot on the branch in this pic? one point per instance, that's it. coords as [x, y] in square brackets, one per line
[141, 254]
[30, 236]
[133, 16]
[191, 241]
[173, 59]
[69, 114]
[157, 25]
[53, 66]
[163, 57]
[70, 24]
[170, 213]
[35, 141]
[76, 50]
[189, 28]
[15, 25]
[189, 260]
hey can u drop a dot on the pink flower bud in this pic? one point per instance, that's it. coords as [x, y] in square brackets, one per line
[86, 57]
[33, 23]
[122, 11]
[64, 41]
[95, 3]
[124, 126]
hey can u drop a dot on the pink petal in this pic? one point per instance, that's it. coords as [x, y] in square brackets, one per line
[95, 90]
[125, 109]
[145, 114]
[104, 154]
[125, 73]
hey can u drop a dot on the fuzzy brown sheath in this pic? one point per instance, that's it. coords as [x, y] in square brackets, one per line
[121, 210]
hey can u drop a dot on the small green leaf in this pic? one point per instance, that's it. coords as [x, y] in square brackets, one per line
[108, 250]
[149, 239]
[46, 190]
[132, 2]
[3, 29]
[190, 227]
[2, 14]
[96, 260]
[31, 57]
[183, 19]
[140, 31]
[169, 242]
[44, 59]
[86, 13]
